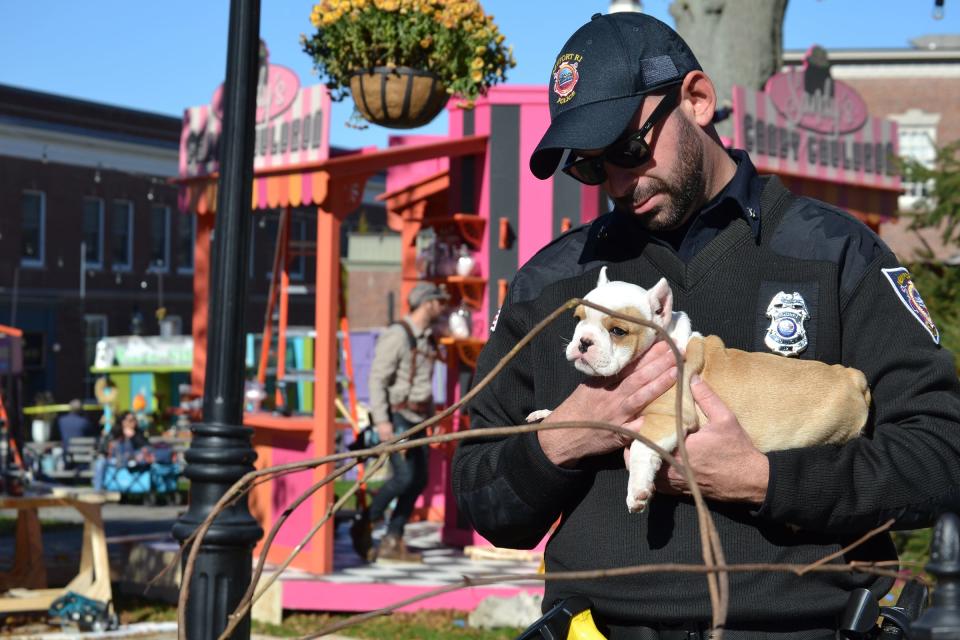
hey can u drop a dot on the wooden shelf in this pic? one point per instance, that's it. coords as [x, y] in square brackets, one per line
[467, 288]
[468, 226]
[467, 350]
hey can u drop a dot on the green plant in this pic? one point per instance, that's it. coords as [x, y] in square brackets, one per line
[942, 207]
[454, 39]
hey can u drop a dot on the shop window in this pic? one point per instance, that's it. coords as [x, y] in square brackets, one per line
[33, 213]
[93, 233]
[121, 235]
[186, 237]
[159, 238]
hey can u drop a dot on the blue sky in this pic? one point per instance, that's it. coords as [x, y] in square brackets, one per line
[165, 56]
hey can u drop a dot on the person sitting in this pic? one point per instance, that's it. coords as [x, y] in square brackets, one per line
[125, 446]
[75, 424]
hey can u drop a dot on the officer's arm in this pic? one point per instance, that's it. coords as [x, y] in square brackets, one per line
[506, 487]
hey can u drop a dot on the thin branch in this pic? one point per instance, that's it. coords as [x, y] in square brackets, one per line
[255, 590]
[712, 551]
[853, 545]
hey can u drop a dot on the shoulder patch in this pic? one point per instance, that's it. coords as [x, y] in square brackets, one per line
[899, 278]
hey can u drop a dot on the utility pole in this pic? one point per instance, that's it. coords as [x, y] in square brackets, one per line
[221, 452]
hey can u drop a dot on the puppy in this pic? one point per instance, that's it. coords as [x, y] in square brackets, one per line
[785, 419]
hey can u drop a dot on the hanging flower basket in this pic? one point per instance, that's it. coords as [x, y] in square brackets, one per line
[398, 97]
[423, 48]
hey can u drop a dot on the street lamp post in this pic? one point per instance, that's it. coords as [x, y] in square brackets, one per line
[221, 451]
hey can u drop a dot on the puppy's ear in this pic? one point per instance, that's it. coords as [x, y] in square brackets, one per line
[661, 302]
[602, 280]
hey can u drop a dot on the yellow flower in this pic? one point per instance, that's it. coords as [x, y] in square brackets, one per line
[477, 63]
[476, 76]
[426, 42]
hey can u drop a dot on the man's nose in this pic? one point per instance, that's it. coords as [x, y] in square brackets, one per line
[585, 344]
[620, 182]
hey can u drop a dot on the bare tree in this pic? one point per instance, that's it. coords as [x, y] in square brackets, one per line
[737, 41]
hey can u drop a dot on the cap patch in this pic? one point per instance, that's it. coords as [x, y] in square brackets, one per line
[902, 283]
[658, 70]
[565, 76]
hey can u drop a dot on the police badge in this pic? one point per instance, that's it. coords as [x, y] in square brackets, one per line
[786, 334]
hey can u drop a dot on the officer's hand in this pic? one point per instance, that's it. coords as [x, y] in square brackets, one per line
[618, 401]
[727, 466]
[384, 431]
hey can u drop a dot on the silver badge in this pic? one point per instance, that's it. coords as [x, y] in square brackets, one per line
[786, 334]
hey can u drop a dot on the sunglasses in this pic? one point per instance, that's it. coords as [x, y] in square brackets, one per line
[628, 152]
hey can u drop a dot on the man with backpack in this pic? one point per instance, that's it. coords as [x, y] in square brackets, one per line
[401, 396]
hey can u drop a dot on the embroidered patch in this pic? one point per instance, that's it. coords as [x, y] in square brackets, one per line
[565, 76]
[902, 283]
[493, 325]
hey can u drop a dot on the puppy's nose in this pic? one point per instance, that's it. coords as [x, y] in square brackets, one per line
[584, 344]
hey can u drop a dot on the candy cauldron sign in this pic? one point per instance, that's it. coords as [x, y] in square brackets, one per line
[806, 123]
[291, 125]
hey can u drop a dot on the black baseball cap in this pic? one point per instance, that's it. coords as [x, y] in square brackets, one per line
[599, 80]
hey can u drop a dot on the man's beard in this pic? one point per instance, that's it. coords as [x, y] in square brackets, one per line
[684, 188]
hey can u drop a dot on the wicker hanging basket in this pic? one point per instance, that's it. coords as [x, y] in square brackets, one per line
[398, 97]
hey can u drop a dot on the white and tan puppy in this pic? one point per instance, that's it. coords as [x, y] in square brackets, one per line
[602, 345]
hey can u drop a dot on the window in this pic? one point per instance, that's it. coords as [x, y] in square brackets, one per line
[33, 210]
[159, 238]
[917, 132]
[186, 236]
[93, 232]
[121, 235]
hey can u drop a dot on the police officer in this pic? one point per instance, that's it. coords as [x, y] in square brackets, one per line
[764, 269]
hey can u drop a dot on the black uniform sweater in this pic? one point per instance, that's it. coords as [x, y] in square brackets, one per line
[819, 499]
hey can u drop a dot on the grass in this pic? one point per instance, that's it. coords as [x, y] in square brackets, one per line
[421, 625]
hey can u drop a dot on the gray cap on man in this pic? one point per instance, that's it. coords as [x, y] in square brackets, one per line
[425, 291]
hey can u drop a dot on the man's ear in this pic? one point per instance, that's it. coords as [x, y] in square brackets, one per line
[661, 302]
[701, 96]
[602, 280]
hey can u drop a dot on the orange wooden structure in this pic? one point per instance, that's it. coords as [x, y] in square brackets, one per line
[335, 187]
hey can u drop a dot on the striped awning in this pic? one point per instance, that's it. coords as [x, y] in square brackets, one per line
[320, 184]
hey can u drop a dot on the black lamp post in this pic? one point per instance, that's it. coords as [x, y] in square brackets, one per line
[221, 452]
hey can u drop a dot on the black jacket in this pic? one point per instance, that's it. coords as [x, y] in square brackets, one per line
[819, 499]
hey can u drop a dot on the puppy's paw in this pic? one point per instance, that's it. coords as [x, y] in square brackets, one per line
[644, 464]
[538, 415]
[637, 503]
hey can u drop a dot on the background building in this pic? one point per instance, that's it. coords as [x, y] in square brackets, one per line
[92, 243]
[919, 89]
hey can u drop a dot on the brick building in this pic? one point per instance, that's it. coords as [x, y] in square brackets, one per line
[918, 88]
[92, 243]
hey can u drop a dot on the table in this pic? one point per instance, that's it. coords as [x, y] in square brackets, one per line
[25, 584]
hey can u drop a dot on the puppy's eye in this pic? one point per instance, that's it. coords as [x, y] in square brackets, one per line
[617, 331]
